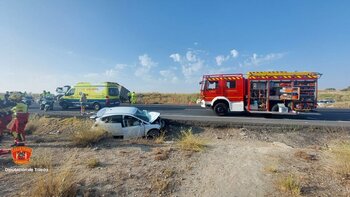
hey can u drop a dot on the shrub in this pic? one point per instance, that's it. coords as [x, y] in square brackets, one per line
[330, 89]
[88, 137]
[161, 154]
[342, 158]
[41, 160]
[346, 89]
[61, 183]
[290, 184]
[93, 163]
[160, 139]
[190, 142]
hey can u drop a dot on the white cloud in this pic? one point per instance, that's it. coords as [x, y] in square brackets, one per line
[257, 60]
[168, 75]
[191, 56]
[110, 72]
[192, 66]
[221, 59]
[234, 53]
[190, 69]
[176, 57]
[120, 66]
[146, 64]
[113, 72]
[146, 61]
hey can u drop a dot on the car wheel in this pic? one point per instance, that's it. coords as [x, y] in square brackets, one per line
[41, 107]
[274, 108]
[221, 109]
[152, 134]
[96, 106]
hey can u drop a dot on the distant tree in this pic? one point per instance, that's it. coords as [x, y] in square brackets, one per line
[346, 89]
[330, 89]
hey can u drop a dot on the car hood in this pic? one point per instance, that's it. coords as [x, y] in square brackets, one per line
[152, 116]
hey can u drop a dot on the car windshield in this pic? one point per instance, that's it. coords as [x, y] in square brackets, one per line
[143, 115]
[101, 112]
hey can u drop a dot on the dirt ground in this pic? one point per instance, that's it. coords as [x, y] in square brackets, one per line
[236, 162]
[248, 163]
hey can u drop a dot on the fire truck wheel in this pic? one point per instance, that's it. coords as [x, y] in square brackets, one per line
[220, 109]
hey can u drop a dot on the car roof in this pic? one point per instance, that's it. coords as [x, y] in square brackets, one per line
[117, 111]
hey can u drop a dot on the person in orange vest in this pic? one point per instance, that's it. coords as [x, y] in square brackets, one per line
[21, 116]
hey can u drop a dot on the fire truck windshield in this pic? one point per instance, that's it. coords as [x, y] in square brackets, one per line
[209, 85]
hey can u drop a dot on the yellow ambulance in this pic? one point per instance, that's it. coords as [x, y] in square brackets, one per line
[100, 95]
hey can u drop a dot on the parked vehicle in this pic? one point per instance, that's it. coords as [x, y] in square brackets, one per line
[27, 100]
[123, 92]
[129, 122]
[61, 91]
[98, 95]
[322, 103]
[260, 92]
[47, 103]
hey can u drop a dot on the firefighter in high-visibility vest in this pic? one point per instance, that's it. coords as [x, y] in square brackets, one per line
[21, 116]
[133, 98]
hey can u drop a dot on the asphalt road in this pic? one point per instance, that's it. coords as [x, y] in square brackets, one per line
[323, 116]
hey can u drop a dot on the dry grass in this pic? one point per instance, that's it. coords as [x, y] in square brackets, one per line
[41, 160]
[93, 163]
[45, 125]
[84, 134]
[191, 142]
[341, 152]
[168, 173]
[160, 185]
[161, 154]
[160, 139]
[337, 95]
[305, 156]
[32, 125]
[290, 184]
[87, 137]
[61, 183]
[271, 168]
[162, 98]
[342, 98]
[163, 182]
[143, 141]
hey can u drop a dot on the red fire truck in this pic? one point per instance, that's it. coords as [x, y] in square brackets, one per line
[260, 92]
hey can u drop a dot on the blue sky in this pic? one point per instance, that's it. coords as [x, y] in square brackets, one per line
[166, 46]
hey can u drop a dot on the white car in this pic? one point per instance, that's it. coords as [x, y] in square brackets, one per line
[129, 122]
[322, 103]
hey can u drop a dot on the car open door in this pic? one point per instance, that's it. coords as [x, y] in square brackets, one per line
[132, 127]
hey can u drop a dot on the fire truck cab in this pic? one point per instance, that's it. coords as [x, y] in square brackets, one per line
[260, 92]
